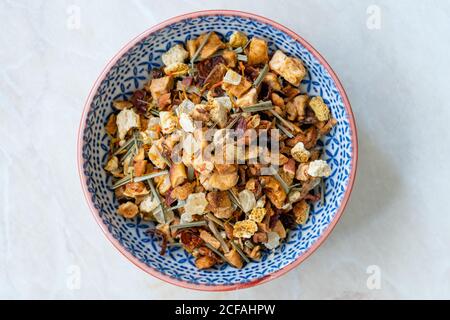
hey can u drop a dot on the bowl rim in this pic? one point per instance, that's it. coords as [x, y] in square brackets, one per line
[310, 250]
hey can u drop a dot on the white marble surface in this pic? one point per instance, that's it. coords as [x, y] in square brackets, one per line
[396, 77]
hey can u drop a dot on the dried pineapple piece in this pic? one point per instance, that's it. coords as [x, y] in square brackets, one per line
[178, 174]
[223, 182]
[128, 210]
[299, 153]
[177, 69]
[220, 204]
[274, 191]
[257, 52]
[209, 238]
[320, 109]
[301, 212]
[121, 105]
[135, 189]
[296, 108]
[250, 98]
[291, 69]
[113, 165]
[238, 39]
[237, 90]
[212, 45]
[235, 259]
[160, 86]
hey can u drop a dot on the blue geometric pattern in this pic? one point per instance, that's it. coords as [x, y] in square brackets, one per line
[130, 73]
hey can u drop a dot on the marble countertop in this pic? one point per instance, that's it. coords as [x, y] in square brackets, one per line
[393, 240]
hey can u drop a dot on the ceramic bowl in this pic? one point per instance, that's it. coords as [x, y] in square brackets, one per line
[129, 70]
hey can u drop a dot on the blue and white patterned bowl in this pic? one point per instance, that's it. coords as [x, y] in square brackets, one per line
[129, 70]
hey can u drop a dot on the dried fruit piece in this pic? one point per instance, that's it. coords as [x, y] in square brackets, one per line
[213, 44]
[291, 69]
[320, 109]
[319, 168]
[232, 77]
[247, 200]
[277, 100]
[121, 105]
[134, 189]
[148, 204]
[296, 108]
[279, 228]
[301, 212]
[245, 229]
[187, 123]
[205, 262]
[273, 240]
[302, 172]
[257, 214]
[140, 167]
[112, 165]
[234, 258]
[177, 69]
[183, 192]
[249, 99]
[294, 196]
[223, 182]
[237, 90]
[160, 86]
[274, 191]
[219, 114]
[156, 157]
[168, 122]
[238, 39]
[209, 238]
[190, 240]
[128, 210]
[196, 204]
[178, 174]
[289, 168]
[257, 52]
[111, 126]
[255, 254]
[299, 153]
[220, 204]
[191, 46]
[325, 127]
[176, 54]
[127, 119]
[230, 58]
[163, 184]
[203, 166]
[260, 237]
[200, 113]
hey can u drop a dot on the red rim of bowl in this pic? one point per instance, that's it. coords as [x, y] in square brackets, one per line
[310, 250]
